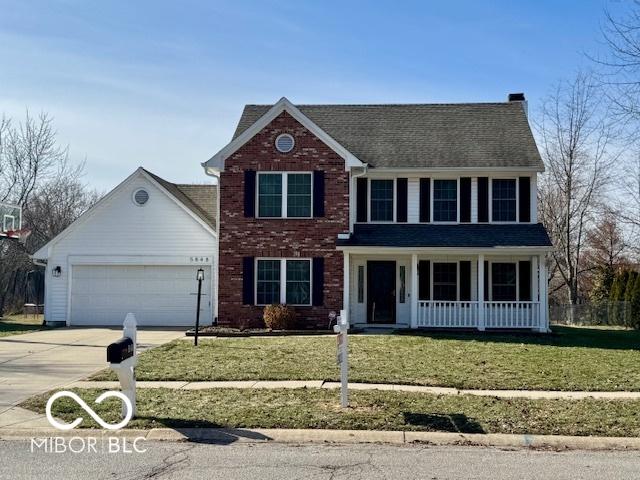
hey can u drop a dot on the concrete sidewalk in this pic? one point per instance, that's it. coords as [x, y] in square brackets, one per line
[255, 384]
[34, 363]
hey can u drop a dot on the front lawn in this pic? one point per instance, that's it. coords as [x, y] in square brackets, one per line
[570, 359]
[15, 324]
[380, 410]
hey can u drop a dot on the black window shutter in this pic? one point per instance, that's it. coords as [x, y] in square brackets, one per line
[483, 199]
[425, 199]
[465, 281]
[318, 281]
[424, 280]
[247, 280]
[402, 195]
[525, 281]
[318, 193]
[525, 199]
[465, 199]
[486, 282]
[361, 200]
[249, 193]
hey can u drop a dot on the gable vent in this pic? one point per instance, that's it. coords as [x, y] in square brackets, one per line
[140, 197]
[284, 143]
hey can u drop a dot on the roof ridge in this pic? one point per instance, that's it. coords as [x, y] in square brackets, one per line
[445, 104]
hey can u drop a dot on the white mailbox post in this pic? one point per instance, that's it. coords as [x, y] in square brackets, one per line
[342, 356]
[122, 356]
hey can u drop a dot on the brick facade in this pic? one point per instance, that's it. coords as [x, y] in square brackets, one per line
[306, 238]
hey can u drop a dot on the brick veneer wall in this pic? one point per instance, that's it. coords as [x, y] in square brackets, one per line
[307, 238]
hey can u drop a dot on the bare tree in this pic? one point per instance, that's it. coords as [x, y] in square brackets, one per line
[35, 173]
[29, 153]
[56, 204]
[577, 147]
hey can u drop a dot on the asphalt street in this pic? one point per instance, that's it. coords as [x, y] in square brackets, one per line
[184, 461]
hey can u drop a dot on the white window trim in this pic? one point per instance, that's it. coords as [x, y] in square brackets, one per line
[394, 207]
[284, 176]
[4, 222]
[490, 278]
[433, 204]
[283, 281]
[517, 180]
[432, 278]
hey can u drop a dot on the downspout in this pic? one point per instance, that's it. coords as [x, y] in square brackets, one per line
[216, 256]
[352, 206]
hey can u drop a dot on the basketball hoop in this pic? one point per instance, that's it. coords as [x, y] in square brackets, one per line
[11, 223]
[20, 235]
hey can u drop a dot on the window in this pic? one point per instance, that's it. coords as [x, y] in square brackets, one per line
[283, 281]
[403, 283]
[503, 282]
[445, 281]
[298, 195]
[503, 194]
[298, 282]
[270, 195]
[445, 200]
[360, 283]
[382, 200]
[284, 195]
[268, 280]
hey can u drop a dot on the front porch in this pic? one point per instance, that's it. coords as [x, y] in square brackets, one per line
[450, 291]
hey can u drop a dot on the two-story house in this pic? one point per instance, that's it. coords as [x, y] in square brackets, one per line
[403, 215]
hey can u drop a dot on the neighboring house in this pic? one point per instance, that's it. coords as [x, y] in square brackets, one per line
[403, 215]
[137, 250]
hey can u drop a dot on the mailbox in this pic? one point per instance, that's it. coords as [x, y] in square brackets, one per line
[120, 350]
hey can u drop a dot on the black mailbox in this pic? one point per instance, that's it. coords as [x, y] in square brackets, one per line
[120, 350]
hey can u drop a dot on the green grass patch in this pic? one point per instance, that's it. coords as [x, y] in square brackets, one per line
[380, 410]
[16, 324]
[571, 359]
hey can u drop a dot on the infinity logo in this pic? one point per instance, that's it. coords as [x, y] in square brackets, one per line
[89, 410]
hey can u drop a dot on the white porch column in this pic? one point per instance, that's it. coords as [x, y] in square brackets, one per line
[535, 280]
[481, 292]
[346, 287]
[543, 325]
[414, 291]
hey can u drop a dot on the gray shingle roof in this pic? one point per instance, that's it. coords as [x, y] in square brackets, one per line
[466, 235]
[424, 135]
[200, 199]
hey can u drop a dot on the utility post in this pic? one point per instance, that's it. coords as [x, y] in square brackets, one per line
[200, 278]
[342, 357]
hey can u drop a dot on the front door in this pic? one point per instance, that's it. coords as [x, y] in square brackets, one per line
[381, 292]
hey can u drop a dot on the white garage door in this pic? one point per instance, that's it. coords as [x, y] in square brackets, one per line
[158, 295]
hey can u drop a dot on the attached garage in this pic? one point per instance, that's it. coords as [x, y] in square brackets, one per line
[137, 250]
[158, 294]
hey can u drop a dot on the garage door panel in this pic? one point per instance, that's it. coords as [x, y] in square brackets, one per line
[158, 295]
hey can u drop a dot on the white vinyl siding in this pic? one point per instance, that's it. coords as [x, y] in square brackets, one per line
[118, 231]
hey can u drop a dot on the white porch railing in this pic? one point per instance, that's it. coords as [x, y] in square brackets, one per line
[441, 314]
[447, 314]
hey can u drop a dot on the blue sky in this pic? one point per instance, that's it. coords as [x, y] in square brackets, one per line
[162, 84]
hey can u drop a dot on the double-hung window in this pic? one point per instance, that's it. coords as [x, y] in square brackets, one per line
[503, 282]
[382, 200]
[284, 195]
[445, 200]
[445, 281]
[503, 194]
[283, 281]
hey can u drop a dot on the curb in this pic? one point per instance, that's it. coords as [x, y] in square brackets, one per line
[228, 436]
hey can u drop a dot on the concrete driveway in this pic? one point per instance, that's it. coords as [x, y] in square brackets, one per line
[34, 363]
